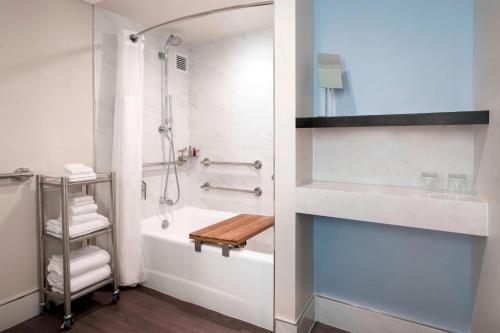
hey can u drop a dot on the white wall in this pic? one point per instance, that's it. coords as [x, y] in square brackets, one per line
[485, 261]
[294, 22]
[393, 155]
[231, 119]
[46, 121]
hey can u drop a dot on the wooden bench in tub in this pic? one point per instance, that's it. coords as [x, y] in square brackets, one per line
[233, 232]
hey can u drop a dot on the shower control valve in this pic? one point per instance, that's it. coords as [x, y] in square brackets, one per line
[162, 129]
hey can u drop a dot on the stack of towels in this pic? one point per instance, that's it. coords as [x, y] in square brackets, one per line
[88, 265]
[82, 216]
[77, 172]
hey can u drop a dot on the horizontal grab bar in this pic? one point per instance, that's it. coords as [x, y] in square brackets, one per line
[152, 164]
[20, 174]
[257, 164]
[257, 191]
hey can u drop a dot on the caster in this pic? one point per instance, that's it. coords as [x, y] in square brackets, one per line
[66, 325]
[116, 296]
[68, 322]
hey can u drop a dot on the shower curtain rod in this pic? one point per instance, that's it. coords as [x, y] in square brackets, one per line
[135, 37]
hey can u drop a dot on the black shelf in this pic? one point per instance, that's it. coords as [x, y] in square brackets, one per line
[412, 119]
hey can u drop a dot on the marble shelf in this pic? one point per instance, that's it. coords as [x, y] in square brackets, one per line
[393, 205]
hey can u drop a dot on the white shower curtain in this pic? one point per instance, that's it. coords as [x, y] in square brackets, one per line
[127, 158]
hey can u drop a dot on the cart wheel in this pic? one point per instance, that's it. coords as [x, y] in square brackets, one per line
[116, 296]
[66, 325]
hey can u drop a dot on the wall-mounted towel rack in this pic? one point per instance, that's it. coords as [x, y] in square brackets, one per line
[257, 191]
[257, 164]
[20, 174]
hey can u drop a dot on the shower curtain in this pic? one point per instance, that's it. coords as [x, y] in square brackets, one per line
[127, 158]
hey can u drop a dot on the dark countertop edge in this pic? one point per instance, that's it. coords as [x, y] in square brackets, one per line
[411, 119]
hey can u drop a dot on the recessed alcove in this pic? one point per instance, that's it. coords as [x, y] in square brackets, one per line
[368, 168]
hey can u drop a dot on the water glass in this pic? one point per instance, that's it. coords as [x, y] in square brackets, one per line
[457, 183]
[429, 181]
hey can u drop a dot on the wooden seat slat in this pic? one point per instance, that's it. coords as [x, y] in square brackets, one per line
[233, 231]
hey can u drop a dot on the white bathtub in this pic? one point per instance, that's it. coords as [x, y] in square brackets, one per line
[239, 286]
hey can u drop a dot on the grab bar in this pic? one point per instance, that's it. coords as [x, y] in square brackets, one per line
[257, 191]
[152, 164]
[20, 174]
[257, 164]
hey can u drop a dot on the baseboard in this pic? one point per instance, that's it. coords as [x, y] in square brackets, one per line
[18, 309]
[358, 319]
[303, 324]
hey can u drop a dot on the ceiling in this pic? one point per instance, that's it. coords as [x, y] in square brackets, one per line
[211, 27]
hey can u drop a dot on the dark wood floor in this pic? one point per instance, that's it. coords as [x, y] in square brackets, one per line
[142, 310]
[322, 328]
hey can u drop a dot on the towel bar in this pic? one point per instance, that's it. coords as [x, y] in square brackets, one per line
[20, 174]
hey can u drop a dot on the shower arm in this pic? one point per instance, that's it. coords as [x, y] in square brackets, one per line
[135, 37]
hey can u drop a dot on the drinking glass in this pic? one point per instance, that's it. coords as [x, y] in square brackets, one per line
[429, 181]
[457, 183]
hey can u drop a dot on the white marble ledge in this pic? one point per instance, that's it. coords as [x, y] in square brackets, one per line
[394, 205]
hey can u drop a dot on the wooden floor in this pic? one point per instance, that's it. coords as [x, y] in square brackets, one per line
[322, 328]
[142, 310]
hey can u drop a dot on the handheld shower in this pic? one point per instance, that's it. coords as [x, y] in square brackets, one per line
[166, 127]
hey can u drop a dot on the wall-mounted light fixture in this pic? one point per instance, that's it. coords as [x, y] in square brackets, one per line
[330, 78]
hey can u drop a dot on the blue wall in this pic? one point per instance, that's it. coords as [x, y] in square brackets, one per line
[416, 274]
[399, 56]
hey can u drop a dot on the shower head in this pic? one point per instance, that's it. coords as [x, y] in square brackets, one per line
[173, 40]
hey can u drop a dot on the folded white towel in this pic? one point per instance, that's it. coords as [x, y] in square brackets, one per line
[80, 281]
[81, 260]
[82, 177]
[80, 198]
[54, 227]
[76, 210]
[79, 219]
[77, 169]
[81, 203]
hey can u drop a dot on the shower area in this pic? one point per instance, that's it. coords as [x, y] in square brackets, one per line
[205, 145]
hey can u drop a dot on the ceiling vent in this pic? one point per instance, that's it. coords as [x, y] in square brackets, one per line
[181, 63]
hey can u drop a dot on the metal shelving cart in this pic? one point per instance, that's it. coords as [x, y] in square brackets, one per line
[47, 296]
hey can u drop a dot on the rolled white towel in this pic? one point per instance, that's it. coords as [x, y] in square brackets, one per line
[82, 177]
[80, 281]
[54, 227]
[76, 210]
[81, 260]
[77, 169]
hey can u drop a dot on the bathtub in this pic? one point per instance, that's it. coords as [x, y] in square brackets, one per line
[239, 286]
